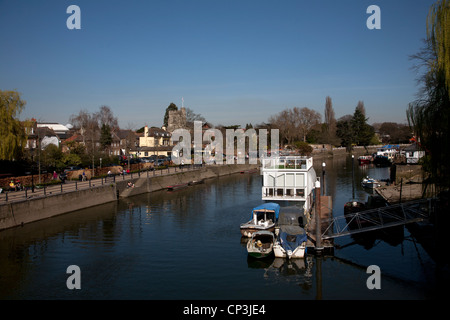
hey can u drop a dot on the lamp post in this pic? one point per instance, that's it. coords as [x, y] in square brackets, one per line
[32, 169]
[353, 177]
[323, 177]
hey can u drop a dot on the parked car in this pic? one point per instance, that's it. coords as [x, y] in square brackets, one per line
[72, 168]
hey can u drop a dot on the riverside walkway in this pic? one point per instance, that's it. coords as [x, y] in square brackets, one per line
[72, 185]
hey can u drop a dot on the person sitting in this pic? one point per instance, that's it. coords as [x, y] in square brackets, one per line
[130, 185]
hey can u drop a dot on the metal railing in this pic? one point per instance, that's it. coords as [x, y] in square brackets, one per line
[379, 218]
[27, 193]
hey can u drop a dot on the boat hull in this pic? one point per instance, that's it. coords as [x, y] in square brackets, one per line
[248, 229]
[365, 160]
[290, 242]
[370, 183]
[297, 253]
[177, 187]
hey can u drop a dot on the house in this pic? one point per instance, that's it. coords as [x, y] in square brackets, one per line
[61, 131]
[41, 135]
[413, 153]
[123, 141]
[154, 141]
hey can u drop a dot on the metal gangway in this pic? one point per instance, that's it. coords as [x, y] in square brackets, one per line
[378, 218]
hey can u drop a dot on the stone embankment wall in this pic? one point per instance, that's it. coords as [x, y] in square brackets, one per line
[14, 214]
[17, 213]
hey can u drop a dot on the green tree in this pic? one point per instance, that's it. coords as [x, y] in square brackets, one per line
[362, 131]
[344, 132]
[12, 133]
[51, 157]
[70, 159]
[172, 107]
[303, 147]
[105, 136]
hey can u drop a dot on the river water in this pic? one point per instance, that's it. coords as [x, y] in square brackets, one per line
[186, 245]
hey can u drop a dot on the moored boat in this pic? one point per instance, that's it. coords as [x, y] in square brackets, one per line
[370, 183]
[353, 207]
[291, 238]
[365, 159]
[261, 244]
[264, 217]
[177, 186]
[194, 182]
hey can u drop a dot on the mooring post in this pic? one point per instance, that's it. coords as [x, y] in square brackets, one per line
[319, 247]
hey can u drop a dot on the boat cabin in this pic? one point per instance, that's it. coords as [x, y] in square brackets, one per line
[288, 178]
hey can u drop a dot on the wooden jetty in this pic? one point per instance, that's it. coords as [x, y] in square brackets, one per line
[322, 212]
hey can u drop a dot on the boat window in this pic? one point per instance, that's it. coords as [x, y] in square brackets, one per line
[300, 192]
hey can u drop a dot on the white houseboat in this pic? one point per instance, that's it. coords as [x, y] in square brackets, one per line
[289, 178]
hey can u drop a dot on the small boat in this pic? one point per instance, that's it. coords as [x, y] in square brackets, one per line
[291, 238]
[370, 183]
[264, 217]
[365, 159]
[194, 182]
[261, 244]
[354, 207]
[177, 186]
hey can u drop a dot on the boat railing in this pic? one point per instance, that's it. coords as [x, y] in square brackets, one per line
[287, 163]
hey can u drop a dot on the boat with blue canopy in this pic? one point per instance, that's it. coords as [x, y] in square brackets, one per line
[264, 217]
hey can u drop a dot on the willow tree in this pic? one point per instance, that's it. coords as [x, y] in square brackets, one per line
[438, 33]
[12, 134]
[429, 115]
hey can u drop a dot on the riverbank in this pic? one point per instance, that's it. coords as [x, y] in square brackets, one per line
[18, 213]
[408, 185]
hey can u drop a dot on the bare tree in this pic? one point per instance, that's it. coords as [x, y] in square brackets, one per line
[106, 117]
[294, 124]
[283, 121]
[305, 120]
[191, 116]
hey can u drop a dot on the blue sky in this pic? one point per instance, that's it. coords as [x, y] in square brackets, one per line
[233, 61]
